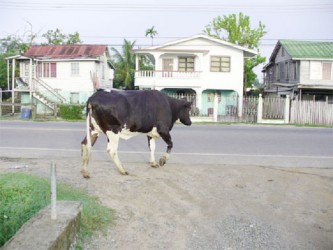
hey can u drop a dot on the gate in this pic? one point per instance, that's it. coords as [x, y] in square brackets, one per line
[273, 108]
[249, 110]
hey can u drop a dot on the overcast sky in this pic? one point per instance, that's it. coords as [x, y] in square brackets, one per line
[109, 22]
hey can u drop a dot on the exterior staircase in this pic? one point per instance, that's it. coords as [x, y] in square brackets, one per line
[42, 99]
[42, 92]
[46, 95]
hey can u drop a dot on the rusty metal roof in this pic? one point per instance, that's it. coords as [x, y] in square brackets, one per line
[66, 51]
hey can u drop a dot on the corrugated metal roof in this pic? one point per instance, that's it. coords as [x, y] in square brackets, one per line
[308, 49]
[66, 51]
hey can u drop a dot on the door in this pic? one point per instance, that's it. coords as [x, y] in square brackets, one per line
[167, 67]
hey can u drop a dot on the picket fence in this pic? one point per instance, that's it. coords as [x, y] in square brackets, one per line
[311, 112]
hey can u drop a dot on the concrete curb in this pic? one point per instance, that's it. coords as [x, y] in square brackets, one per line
[40, 232]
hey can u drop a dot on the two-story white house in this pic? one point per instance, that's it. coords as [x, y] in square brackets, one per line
[201, 65]
[53, 74]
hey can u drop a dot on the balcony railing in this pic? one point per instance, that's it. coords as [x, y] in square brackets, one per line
[168, 74]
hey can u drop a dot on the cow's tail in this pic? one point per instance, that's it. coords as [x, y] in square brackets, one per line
[86, 145]
[88, 124]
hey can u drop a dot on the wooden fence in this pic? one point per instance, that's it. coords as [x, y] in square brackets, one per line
[249, 110]
[301, 112]
[273, 108]
[311, 112]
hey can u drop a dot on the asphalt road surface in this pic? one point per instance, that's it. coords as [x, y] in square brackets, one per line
[263, 145]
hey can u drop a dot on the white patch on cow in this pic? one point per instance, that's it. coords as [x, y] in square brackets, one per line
[112, 149]
[154, 134]
[152, 146]
[97, 129]
[127, 134]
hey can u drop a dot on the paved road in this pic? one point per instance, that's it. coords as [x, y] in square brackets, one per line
[282, 146]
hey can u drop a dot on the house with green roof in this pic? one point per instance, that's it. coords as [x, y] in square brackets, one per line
[301, 69]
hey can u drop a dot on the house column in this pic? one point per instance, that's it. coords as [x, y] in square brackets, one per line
[8, 72]
[30, 80]
[240, 103]
[199, 99]
[216, 106]
[136, 64]
[13, 85]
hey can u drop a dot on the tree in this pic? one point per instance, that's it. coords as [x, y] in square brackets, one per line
[9, 46]
[151, 32]
[237, 29]
[12, 45]
[56, 37]
[124, 63]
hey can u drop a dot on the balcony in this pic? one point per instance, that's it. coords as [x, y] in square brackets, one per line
[168, 74]
[168, 79]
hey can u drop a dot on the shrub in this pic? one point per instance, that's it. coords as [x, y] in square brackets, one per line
[71, 112]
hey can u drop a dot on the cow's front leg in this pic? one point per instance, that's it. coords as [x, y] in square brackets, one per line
[112, 149]
[152, 147]
[167, 138]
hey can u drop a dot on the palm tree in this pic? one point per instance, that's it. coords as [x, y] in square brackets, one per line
[124, 66]
[151, 32]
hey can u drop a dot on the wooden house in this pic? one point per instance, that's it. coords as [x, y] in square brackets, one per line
[301, 69]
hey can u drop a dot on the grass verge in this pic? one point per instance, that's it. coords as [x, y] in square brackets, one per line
[23, 195]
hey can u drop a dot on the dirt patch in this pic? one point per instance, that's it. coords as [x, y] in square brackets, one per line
[204, 207]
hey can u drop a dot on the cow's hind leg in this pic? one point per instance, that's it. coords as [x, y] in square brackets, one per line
[167, 138]
[85, 154]
[152, 146]
[112, 149]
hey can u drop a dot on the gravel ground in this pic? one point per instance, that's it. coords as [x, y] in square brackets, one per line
[204, 207]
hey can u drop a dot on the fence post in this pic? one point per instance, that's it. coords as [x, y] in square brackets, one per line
[53, 192]
[216, 106]
[259, 114]
[287, 110]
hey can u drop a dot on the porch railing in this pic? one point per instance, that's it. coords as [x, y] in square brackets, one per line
[168, 74]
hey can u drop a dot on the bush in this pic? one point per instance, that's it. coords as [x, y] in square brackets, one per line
[70, 111]
[22, 196]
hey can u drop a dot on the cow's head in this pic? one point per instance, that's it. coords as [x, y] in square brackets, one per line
[184, 114]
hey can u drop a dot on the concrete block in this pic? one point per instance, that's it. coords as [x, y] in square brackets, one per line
[40, 232]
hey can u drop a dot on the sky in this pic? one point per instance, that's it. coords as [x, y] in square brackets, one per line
[110, 22]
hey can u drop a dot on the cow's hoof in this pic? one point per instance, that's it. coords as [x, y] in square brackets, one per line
[154, 165]
[125, 173]
[162, 161]
[86, 175]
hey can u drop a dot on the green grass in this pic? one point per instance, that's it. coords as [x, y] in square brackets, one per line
[23, 195]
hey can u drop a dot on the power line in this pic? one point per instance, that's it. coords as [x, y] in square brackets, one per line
[165, 7]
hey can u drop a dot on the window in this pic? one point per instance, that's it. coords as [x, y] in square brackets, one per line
[327, 71]
[75, 69]
[294, 70]
[47, 70]
[286, 70]
[186, 64]
[220, 64]
[277, 72]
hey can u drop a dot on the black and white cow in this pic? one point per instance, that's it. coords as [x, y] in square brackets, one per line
[123, 114]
